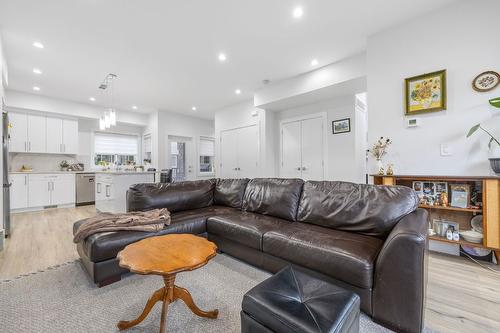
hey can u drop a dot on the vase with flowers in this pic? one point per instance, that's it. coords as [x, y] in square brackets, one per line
[379, 150]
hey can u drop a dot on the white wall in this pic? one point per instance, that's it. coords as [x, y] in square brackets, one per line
[343, 163]
[242, 115]
[20, 100]
[327, 76]
[164, 123]
[463, 39]
[3, 80]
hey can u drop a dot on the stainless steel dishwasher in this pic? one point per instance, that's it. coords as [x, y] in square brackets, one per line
[85, 189]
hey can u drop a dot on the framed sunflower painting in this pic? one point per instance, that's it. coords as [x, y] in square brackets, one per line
[426, 93]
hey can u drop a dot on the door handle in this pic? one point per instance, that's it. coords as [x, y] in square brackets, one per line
[304, 168]
[25, 146]
[29, 145]
[60, 147]
[298, 169]
[98, 187]
[107, 190]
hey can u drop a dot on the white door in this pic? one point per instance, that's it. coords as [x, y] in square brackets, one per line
[63, 189]
[39, 191]
[18, 132]
[54, 135]
[70, 136]
[248, 152]
[18, 191]
[291, 159]
[229, 154]
[312, 149]
[37, 134]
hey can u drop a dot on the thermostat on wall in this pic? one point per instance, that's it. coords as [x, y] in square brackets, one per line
[413, 122]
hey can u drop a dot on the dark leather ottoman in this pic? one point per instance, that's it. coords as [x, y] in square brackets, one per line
[292, 301]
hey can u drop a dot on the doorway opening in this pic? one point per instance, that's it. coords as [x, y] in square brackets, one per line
[179, 158]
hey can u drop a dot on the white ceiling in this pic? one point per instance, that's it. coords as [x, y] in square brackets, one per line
[165, 51]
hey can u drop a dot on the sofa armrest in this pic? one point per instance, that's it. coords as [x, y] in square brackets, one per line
[401, 275]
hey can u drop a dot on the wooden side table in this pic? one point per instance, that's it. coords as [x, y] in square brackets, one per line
[166, 256]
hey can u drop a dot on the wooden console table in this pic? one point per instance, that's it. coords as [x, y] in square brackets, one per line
[490, 208]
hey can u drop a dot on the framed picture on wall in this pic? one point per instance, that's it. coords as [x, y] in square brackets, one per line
[341, 126]
[425, 93]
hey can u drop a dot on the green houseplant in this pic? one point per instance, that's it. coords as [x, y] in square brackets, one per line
[494, 141]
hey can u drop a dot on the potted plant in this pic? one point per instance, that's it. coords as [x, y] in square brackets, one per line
[64, 165]
[494, 142]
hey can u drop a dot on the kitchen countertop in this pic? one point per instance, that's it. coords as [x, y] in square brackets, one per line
[87, 171]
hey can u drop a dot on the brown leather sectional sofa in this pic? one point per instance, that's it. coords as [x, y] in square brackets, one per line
[366, 238]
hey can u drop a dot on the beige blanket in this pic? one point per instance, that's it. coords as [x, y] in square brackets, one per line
[153, 220]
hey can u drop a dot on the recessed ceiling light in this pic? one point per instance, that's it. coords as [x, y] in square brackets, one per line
[314, 62]
[38, 45]
[237, 91]
[222, 57]
[134, 107]
[37, 71]
[298, 12]
[92, 99]
[193, 108]
[35, 88]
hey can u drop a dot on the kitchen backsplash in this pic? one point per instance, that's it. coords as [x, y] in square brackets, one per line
[43, 162]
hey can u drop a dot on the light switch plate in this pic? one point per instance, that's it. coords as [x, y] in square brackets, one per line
[446, 149]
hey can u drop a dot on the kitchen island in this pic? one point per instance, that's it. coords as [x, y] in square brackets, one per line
[111, 188]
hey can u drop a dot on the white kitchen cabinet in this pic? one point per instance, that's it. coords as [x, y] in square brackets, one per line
[51, 190]
[240, 152]
[32, 133]
[111, 189]
[39, 190]
[37, 134]
[63, 189]
[62, 136]
[55, 135]
[18, 191]
[18, 132]
[70, 136]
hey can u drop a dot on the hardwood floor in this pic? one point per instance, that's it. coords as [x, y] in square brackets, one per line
[461, 296]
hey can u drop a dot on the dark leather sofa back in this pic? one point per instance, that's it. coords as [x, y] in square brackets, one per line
[366, 209]
[273, 196]
[229, 192]
[175, 197]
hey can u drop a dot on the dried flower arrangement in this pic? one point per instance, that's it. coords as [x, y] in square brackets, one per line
[380, 148]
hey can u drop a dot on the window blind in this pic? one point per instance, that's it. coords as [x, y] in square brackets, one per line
[207, 147]
[109, 143]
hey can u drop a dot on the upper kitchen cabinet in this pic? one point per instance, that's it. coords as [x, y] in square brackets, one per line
[42, 134]
[27, 133]
[63, 138]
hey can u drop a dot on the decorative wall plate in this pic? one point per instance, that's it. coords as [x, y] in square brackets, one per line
[486, 81]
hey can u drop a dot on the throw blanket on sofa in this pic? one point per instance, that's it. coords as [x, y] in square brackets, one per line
[153, 220]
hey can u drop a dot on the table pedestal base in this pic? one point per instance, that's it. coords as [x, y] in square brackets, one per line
[168, 294]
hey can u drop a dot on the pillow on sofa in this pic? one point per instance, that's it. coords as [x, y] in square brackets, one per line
[273, 196]
[229, 192]
[367, 209]
[175, 197]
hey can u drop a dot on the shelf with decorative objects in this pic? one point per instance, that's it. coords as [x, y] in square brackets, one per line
[453, 202]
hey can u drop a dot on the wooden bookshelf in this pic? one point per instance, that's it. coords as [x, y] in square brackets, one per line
[490, 190]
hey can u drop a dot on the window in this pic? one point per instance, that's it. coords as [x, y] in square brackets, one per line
[116, 149]
[207, 155]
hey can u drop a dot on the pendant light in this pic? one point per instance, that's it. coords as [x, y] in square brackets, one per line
[102, 124]
[109, 117]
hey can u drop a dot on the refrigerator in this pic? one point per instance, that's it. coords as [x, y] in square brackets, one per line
[5, 173]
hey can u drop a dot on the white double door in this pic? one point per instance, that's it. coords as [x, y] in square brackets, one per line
[240, 152]
[303, 148]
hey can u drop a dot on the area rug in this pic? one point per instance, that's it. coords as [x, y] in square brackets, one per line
[63, 299]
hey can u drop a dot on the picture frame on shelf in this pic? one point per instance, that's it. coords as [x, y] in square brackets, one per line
[425, 93]
[341, 126]
[460, 195]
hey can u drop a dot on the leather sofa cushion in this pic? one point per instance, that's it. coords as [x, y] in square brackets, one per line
[175, 197]
[104, 246]
[229, 192]
[293, 301]
[273, 196]
[367, 209]
[244, 227]
[344, 256]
